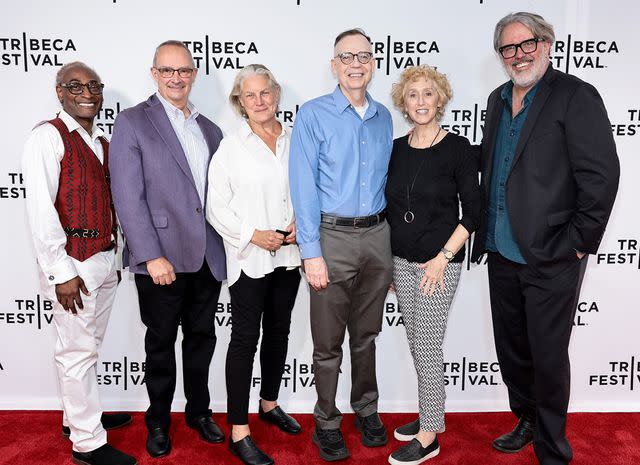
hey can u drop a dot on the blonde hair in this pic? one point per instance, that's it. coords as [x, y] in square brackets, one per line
[426, 72]
[248, 71]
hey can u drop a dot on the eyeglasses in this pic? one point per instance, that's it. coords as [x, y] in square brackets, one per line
[167, 72]
[527, 46]
[77, 88]
[347, 57]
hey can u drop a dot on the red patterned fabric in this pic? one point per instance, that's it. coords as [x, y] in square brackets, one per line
[84, 198]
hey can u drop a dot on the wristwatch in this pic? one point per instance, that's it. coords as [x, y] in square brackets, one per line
[448, 254]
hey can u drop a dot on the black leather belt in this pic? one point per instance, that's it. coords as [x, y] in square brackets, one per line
[354, 222]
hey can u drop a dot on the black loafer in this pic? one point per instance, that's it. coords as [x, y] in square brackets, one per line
[407, 432]
[413, 453]
[158, 442]
[330, 443]
[109, 421]
[208, 429]
[372, 431]
[518, 439]
[281, 419]
[104, 455]
[247, 451]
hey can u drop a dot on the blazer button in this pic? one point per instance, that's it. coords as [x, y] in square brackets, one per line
[198, 210]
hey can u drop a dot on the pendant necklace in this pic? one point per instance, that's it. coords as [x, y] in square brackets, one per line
[409, 216]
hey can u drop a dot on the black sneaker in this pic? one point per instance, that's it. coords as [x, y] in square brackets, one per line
[372, 431]
[407, 432]
[108, 420]
[330, 443]
[105, 455]
[414, 454]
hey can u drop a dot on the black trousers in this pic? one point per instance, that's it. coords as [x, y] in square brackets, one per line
[270, 299]
[189, 301]
[532, 322]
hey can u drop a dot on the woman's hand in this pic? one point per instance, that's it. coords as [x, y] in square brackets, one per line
[291, 237]
[433, 274]
[268, 240]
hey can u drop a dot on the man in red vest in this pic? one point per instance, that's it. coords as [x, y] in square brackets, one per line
[65, 167]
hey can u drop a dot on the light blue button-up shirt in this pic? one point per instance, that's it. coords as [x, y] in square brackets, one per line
[192, 141]
[338, 163]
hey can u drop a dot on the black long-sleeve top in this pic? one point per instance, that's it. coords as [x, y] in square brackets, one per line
[447, 179]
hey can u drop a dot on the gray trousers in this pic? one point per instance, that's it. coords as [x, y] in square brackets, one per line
[360, 269]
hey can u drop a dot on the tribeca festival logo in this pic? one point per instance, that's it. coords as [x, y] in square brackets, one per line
[107, 116]
[123, 374]
[622, 374]
[629, 127]
[466, 122]
[585, 312]
[297, 376]
[395, 55]
[571, 54]
[466, 374]
[223, 315]
[627, 254]
[28, 52]
[288, 116]
[392, 315]
[211, 55]
[36, 312]
[15, 189]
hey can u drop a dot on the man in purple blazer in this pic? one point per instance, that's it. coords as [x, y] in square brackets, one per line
[160, 153]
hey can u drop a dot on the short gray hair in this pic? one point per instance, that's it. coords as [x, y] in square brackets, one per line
[244, 73]
[173, 43]
[74, 64]
[536, 24]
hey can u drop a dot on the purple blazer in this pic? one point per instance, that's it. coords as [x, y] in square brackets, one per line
[155, 195]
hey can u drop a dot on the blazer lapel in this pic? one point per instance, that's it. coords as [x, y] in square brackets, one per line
[491, 131]
[534, 112]
[160, 121]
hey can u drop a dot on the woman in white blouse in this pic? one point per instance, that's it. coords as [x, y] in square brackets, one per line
[249, 205]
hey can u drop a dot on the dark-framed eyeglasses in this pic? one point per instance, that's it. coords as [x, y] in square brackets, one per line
[76, 88]
[347, 57]
[167, 72]
[527, 46]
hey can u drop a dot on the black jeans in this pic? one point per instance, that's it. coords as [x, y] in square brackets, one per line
[532, 322]
[191, 301]
[270, 299]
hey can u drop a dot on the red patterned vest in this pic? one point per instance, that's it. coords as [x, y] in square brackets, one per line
[84, 200]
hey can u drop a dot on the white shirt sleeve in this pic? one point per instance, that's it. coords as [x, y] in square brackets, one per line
[41, 171]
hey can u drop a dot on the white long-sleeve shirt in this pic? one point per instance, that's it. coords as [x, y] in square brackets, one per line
[248, 190]
[41, 158]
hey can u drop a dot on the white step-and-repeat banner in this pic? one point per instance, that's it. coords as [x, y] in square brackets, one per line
[596, 40]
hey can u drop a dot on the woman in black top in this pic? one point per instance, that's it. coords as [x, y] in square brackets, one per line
[432, 173]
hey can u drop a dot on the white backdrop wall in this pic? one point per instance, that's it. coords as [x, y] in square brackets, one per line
[596, 40]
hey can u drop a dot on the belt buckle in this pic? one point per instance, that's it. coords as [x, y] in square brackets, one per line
[355, 223]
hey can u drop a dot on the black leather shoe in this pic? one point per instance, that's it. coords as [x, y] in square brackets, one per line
[158, 442]
[104, 455]
[247, 451]
[413, 453]
[109, 421]
[208, 429]
[281, 419]
[372, 431]
[518, 439]
[330, 443]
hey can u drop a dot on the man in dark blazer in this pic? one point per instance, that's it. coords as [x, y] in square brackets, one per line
[549, 179]
[160, 153]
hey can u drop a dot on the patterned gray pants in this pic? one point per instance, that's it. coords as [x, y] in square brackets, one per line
[425, 319]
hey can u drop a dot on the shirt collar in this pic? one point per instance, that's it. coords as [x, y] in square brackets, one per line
[342, 103]
[246, 131]
[174, 112]
[507, 94]
[73, 125]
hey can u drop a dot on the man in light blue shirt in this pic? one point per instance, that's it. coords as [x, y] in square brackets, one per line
[340, 151]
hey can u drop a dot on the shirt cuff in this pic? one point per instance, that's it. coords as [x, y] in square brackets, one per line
[60, 272]
[310, 250]
[246, 234]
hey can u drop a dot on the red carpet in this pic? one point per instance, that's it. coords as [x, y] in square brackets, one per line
[33, 438]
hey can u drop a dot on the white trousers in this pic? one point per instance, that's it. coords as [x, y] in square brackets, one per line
[76, 355]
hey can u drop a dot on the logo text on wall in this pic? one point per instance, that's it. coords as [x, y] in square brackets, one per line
[15, 189]
[467, 373]
[123, 374]
[626, 254]
[36, 312]
[395, 55]
[620, 373]
[630, 127]
[572, 54]
[211, 55]
[28, 52]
